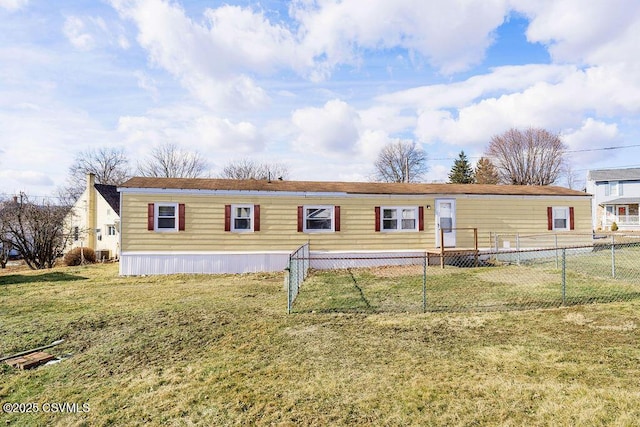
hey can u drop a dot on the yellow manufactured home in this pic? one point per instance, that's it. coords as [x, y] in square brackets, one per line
[173, 225]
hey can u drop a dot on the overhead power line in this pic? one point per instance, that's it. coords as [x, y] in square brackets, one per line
[617, 147]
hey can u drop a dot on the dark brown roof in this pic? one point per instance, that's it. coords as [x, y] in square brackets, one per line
[344, 187]
[111, 195]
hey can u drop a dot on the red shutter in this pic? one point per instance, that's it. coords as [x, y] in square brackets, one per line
[181, 217]
[300, 218]
[377, 209]
[336, 218]
[549, 218]
[256, 217]
[571, 223]
[421, 218]
[150, 213]
[227, 217]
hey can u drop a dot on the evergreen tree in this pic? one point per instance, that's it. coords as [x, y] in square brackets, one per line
[486, 172]
[461, 172]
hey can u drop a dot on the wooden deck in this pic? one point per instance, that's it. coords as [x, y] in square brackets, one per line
[438, 256]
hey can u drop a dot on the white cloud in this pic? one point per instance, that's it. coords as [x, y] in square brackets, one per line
[40, 141]
[459, 94]
[75, 30]
[87, 33]
[193, 129]
[215, 59]
[591, 134]
[451, 35]
[552, 97]
[13, 5]
[27, 177]
[332, 129]
[602, 31]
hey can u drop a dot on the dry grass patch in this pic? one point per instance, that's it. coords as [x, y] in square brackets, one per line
[220, 350]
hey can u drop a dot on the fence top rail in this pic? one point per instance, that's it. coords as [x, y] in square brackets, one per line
[559, 233]
[469, 252]
[302, 249]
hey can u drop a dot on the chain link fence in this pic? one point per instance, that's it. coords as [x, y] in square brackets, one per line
[466, 280]
[296, 273]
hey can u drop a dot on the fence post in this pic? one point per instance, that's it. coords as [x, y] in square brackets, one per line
[288, 282]
[424, 283]
[564, 276]
[518, 248]
[556, 243]
[613, 256]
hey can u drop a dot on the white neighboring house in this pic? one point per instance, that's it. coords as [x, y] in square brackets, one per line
[95, 220]
[616, 195]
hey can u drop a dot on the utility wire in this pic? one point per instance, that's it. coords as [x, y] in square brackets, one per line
[617, 147]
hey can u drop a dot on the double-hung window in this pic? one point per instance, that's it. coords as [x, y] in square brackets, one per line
[318, 219]
[242, 218]
[399, 218]
[166, 217]
[560, 218]
[111, 230]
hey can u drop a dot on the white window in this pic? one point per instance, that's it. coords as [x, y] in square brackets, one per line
[318, 218]
[241, 218]
[166, 217]
[560, 218]
[111, 230]
[399, 219]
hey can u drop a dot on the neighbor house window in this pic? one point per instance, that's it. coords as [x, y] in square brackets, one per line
[76, 233]
[613, 188]
[400, 219]
[560, 218]
[111, 230]
[318, 218]
[166, 216]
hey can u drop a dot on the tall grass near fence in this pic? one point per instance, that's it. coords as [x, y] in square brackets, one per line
[492, 281]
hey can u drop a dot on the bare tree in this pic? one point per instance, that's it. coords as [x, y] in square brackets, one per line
[109, 165]
[36, 231]
[170, 161]
[250, 169]
[5, 243]
[571, 178]
[529, 157]
[401, 161]
[485, 172]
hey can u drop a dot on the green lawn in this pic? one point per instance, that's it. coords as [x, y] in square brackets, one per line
[221, 350]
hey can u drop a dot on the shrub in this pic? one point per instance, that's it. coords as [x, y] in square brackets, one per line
[614, 226]
[75, 255]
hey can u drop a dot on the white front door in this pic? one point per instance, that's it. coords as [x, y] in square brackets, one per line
[446, 221]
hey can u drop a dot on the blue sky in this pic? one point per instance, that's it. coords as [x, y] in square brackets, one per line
[318, 85]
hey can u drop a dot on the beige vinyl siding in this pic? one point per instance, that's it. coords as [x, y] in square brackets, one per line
[526, 216]
[204, 219]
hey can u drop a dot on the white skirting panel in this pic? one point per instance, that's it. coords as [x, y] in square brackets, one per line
[148, 263]
[136, 264]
